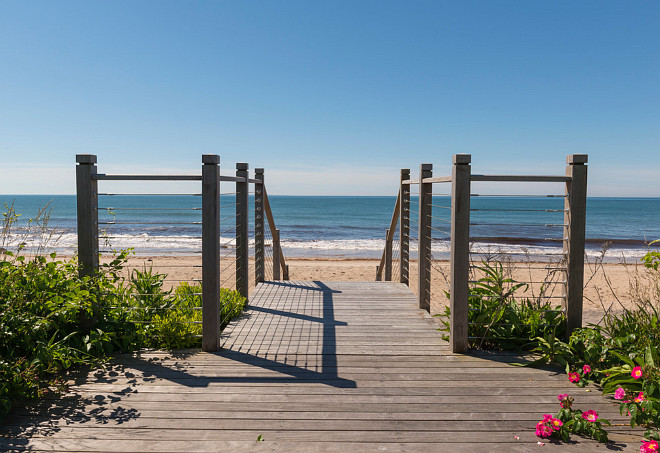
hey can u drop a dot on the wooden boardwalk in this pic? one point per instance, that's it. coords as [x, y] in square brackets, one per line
[311, 367]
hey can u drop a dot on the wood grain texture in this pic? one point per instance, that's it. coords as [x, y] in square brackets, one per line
[311, 367]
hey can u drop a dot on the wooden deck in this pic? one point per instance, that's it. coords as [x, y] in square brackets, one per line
[311, 367]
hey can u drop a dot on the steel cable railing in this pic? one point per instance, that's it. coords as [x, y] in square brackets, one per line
[457, 242]
[171, 241]
[505, 277]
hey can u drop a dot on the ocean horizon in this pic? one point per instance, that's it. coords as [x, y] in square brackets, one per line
[346, 226]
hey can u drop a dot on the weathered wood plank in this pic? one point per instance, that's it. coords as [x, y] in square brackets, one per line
[312, 367]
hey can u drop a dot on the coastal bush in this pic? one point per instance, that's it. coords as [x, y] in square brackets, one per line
[51, 319]
[498, 320]
[622, 356]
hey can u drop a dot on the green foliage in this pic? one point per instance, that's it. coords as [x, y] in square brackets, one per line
[652, 259]
[52, 319]
[497, 320]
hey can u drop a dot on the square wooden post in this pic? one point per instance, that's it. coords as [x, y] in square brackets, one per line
[574, 237]
[242, 229]
[210, 252]
[388, 256]
[276, 256]
[460, 253]
[404, 228]
[88, 216]
[424, 238]
[259, 216]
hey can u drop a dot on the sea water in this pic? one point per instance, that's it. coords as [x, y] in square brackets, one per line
[343, 226]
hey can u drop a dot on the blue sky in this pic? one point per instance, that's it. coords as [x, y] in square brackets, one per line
[330, 97]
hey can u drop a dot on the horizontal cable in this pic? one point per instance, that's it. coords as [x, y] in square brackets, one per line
[518, 196]
[496, 297]
[528, 283]
[151, 194]
[439, 230]
[441, 219]
[520, 210]
[523, 224]
[150, 223]
[109, 208]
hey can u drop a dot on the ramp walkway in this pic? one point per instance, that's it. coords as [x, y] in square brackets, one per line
[312, 367]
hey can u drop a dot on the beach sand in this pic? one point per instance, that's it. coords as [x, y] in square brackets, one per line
[607, 286]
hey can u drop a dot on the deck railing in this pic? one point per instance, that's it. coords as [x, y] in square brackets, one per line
[455, 228]
[237, 250]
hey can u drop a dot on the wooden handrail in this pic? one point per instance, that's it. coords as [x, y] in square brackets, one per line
[438, 179]
[389, 236]
[104, 177]
[274, 232]
[520, 178]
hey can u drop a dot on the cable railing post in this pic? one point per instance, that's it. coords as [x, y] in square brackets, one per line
[210, 252]
[424, 238]
[259, 235]
[404, 228]
[388, 256]
[88, 217]
[574, 238]
[460, 253]
[88, 224]
[242, 229]
[276, 256]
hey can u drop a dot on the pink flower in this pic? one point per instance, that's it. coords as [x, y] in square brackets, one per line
[556, 423]
[543, 430]
[639, 398]
[546, 418]
[650, 446]
[590, 415]
[574, 377]
[636, 372]
[565, 401]
[619, 393]
[586, 369]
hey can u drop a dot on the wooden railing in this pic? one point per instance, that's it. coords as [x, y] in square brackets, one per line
[575, 187]
[88, 231]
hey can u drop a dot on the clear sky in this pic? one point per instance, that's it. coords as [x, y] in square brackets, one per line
[331, 97]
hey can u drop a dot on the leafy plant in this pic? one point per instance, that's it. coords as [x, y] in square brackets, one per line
[496, 319]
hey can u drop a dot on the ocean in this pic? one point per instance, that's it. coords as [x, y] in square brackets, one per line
[344, 227]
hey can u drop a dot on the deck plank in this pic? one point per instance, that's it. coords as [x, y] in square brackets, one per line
[311, 367]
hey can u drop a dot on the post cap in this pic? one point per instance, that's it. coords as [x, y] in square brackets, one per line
[462, 158]
[210, 159]
[242, 166]
[577, 158]
[405, 171]
[86, 158]
[259, 171]
[426, 167]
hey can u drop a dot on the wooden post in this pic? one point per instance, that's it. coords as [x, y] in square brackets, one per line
[379, 276]
[574, 234]
[259, 226]
[388, 256]
[242, 230]
[210, 252]
[460, 253]
[404, 228]
[276, 256]
[88, 216]
[424, 238]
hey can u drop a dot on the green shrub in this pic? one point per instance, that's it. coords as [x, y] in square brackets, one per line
[497, 320]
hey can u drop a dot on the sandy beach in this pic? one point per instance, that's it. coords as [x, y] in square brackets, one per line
[607, 285]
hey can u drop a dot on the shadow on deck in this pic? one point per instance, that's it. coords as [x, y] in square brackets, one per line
[310, 366]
